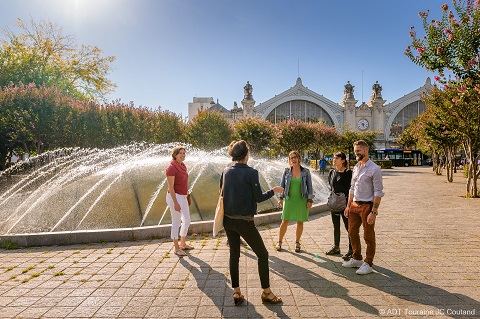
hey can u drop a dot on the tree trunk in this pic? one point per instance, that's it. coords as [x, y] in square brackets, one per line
[473, 169]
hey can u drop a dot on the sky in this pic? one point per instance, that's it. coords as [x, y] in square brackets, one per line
[169, 51]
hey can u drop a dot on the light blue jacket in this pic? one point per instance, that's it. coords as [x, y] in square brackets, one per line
[307, 189]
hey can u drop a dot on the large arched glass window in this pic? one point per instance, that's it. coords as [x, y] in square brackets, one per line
[299, 110]
[403, 118]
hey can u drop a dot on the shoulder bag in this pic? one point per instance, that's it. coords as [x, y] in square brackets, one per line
[219, 212]
[337, 202]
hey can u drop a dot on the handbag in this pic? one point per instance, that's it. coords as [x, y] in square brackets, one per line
[219, 212]
[336, 201]
[189, 200]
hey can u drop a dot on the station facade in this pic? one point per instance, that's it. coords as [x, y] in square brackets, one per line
[388, 120]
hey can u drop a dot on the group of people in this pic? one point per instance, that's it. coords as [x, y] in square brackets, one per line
[362, 187]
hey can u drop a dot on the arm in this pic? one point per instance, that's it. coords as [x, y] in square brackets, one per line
[257, 190]
[309, 189]
[282, 184]
[171, 182]
[377, 195]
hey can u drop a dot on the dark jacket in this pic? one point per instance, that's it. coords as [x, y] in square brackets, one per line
[242, 190]
[341, 181]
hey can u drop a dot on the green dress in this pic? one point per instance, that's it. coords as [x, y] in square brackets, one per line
[295, 207]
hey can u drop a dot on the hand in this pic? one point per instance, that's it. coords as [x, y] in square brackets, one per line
[346, 211]
[278, 189]
[280, 203]
[371, 218]
[177, 207]
[309, 204]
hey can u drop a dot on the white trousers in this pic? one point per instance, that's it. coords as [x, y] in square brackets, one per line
[180, 219]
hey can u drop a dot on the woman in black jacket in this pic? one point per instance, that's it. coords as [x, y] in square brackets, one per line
[340, 179]
[241, 194]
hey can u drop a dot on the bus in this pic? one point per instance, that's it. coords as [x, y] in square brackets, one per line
[398, 156]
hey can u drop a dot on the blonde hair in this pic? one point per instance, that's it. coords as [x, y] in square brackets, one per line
[177, 150]
[296, 153]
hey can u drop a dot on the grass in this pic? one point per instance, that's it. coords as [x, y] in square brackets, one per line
[8, 244]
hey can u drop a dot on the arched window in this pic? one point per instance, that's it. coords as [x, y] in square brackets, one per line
[403, 118]
[299, 110]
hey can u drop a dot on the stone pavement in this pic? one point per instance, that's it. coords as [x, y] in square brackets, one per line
[426, 265]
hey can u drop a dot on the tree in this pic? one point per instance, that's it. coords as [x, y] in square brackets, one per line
[349, 137]
[453, 44]
[257, 132]
[209, 130]
[326, 139]
[41, 54]
[294, 135]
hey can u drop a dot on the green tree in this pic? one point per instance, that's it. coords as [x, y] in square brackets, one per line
[326, 139]
[39, 53]
[453, 44]
[209, 130]
[257, 132]
[294, 135]
[349, 137]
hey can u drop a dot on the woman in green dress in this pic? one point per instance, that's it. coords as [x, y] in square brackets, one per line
[296, 199]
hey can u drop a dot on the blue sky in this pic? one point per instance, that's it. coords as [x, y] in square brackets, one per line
[169, 51]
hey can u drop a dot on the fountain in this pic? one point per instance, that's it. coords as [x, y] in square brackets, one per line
[125, 187]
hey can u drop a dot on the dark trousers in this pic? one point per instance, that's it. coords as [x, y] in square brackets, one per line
[336, 228]
[247, 230]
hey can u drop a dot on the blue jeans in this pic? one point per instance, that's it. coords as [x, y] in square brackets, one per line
[246, 229]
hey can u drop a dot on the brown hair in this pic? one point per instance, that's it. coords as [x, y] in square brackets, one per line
[361, 143]
[342, 156]
[296, 153]
[177, 150]
[238, 150]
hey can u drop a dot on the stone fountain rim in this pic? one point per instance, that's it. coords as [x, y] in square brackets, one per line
[128, 234]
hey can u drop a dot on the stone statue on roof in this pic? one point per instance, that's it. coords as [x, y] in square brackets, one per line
[247, 91]
[348, 92]
[376, 91]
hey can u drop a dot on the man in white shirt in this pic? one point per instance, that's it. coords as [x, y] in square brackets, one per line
[364, 198]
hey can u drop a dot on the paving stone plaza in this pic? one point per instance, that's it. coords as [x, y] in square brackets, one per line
[426, 265]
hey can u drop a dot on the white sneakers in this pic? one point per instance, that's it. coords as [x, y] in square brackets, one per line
[364, 269]
[352, 263]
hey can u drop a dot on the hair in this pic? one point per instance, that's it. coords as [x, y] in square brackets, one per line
[177, 150]
[238, 150]
[296, 153]
[343, 157]
[361, 143]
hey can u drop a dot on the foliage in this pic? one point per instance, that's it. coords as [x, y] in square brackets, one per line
[39, 53]
[295, 135]
[349, 137]
[257, 132]
[453, 44]
[209, 130]
[326, 139]
[33, 120]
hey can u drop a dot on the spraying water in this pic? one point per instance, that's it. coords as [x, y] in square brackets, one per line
[117, 188]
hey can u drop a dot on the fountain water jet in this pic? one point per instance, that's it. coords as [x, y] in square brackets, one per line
[122, 187]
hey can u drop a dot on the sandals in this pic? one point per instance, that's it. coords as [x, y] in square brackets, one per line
[180, 253]
[187, 247]
[297, 247]
[239, 299]
[279, 246]
[273, 300]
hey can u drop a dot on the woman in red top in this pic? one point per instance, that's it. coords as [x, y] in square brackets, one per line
[177, 179]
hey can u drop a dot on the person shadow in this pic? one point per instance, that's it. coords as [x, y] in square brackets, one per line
[215, 286]
[438, 301]
[313, 283]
